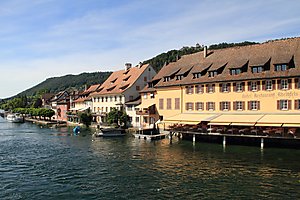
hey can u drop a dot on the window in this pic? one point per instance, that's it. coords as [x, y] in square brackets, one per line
[210, 106]
[284, 104]
[235, 71]
[253, 86]
[253, 105]
[212, 73]
[284, 84]
[137, 119]
[224, 105]
[179, 77]
[120, 98]
[281, 67]
[137, 88]
[210, 88]
[106, 99]
[239, 87]
[225, 87]
[297, 104]
[199, 89]
[269, 85]
[169, 103]
[257, 69]
[145, 95]
[167, 78]
[145, 78]
[239, 105]
[199, 105]
[145, 120]
[177, 103]
[102, 99]
[152, 95]
[189, 106]
[189, 89]
[161, 104]
[129, 108]
[110, 98]
[196, 75]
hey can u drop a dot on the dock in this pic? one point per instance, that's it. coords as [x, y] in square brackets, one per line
[151, 137]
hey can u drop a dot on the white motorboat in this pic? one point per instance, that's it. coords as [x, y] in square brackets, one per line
[15, 117]
[110, 132]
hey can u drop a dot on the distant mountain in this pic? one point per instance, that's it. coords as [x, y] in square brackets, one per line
[67, 82]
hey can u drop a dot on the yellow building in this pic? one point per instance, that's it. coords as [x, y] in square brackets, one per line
[256, 85]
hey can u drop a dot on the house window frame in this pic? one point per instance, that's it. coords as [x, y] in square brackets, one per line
[284, 84]
[239, 87]
[239, 105]
[284, 104]
[199, 89]
[189, 106]
[225, 87]
[199, 106]
[253, 86]
[210, 88]
[269, 85]
[210, 106]
[225, 105]
[169, 104]
[254, 105]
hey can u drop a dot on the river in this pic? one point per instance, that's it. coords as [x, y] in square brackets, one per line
[43, 163]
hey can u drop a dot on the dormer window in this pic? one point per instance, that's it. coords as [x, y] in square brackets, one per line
[113, 81]
[281, 67]
[212, 73]
[197, 75]
[179, 77]
[126, 79]
[150, 85]
[167, 78]
[257, 69]
[235, 71]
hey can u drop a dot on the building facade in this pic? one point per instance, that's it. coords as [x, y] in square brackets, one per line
[256, 85]
[122, 86]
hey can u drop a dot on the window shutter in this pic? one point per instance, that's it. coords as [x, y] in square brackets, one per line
[296, 80]
[258, 105]
[263, 85]
[258, 85]
[243, 103]
[229, 87]
[289, 104]
[186, 90]
[206, 88]
[192, 106]
[234, 87]
[213, 86]
[249, 105]
[289, 84]
[278, 84]
[186, 106]
[214, 104]
[229, 107]
[243, 86]
[278, 104]
[273, 84]
[234, 105]
[207, 106]
[221, 106]
[249, 86]
[296, 104]
[220, 87]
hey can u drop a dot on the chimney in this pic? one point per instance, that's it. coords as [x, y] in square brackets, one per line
[205, 51]
[127, 66]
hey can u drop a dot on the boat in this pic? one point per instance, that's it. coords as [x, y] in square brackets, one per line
[110, 132]
[15, 118]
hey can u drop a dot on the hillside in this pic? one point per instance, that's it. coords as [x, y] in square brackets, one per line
[78, 82]
[67, 82]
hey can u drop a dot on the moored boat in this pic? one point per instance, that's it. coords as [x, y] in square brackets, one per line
[110, 132]
[15, 118]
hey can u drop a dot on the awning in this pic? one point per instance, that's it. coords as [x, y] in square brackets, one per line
[219, 123]
[188, 118]
[291, 125]
[242, 124]
[236, 119]
[280, 119]
[270, 124]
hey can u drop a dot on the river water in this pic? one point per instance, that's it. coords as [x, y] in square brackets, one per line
[43, 163]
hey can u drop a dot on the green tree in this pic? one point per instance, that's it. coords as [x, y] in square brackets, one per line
[86, 118]
[117, 117]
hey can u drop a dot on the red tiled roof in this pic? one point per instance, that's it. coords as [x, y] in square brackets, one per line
[121, 80]
[277, 52]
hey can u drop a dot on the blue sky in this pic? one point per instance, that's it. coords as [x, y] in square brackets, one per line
[46, 38]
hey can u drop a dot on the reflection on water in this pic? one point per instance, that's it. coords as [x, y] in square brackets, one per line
[43, 163]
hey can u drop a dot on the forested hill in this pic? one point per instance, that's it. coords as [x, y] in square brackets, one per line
[68, 82]
[158, 61]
